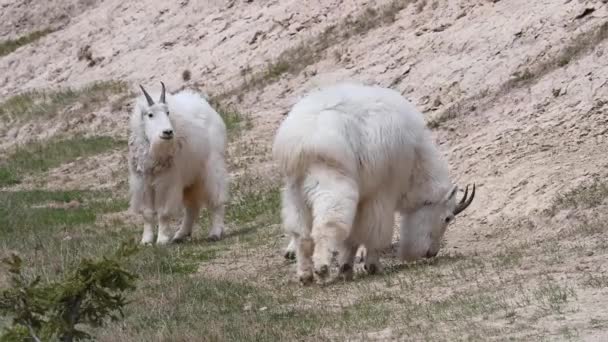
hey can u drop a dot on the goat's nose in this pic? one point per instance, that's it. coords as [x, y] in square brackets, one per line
[168, 132]
[431, 254]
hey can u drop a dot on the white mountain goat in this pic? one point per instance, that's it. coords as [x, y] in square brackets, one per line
[176, 161]
[351, 155]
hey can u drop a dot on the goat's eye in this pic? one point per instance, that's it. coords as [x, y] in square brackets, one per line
[167, 113]
[448, 219]
[150, 115]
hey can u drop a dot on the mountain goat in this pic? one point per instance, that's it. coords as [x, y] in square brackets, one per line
[176, 161]
[351, 155]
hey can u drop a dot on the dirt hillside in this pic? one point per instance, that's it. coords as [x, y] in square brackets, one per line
[516, 93]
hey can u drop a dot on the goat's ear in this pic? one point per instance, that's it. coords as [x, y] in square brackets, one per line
[451, 193]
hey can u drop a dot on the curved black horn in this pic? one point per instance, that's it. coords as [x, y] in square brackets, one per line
[465, 202]
[162, 94]
[148, 98]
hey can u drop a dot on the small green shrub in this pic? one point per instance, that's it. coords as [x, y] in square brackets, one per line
[91, 294]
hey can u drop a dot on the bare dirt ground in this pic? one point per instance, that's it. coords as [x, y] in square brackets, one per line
[516, 93]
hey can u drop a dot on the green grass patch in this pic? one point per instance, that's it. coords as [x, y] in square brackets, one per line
[42, 156]
[53, 230]
[38, 210]
[50, 103]
[264, 204]
[235, 121]
[10, 45]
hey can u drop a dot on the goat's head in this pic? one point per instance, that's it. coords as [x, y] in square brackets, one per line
[155, 118]
[422, 229]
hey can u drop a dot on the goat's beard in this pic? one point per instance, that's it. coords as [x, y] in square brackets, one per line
[160, 148]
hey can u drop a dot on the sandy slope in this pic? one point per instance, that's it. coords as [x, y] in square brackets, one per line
[521, 144]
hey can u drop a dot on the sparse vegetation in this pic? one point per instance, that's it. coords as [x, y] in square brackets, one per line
[295, 59]
[586, 195]
[575, 48]
[485, 284]
[10, 45]
[178, 292]
[50, 103]
[235, 121]
[42, 156]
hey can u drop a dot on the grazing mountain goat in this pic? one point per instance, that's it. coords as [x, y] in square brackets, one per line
[352, 155]
[176, 160]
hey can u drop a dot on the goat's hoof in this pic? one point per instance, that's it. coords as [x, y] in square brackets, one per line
[290, 255]
[346, 272]
[147, 240]
[322, 272]
[215, 237]
[372, 268]
[306, 279]
[163, 240]
[181, 237]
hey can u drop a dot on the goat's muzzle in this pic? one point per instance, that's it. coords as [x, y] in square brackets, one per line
[167, 134]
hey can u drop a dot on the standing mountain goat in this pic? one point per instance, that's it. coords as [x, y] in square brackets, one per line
[176, 160]
[351, 156]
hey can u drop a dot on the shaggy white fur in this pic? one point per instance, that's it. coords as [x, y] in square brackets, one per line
[352, 155]
[176, 161]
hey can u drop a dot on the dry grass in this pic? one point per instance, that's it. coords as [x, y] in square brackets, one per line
[240, 288]
[577, 47]
[294, 60]
[45, 104]
[587, 195]
[237, 289]
[10, 45]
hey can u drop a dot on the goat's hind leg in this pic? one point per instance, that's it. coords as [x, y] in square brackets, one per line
[185, 232]
[217, 222]
[216, 196]
[192, 200]
[375, 224]
[297, 222]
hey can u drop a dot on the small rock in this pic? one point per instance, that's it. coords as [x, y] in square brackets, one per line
[585, 13]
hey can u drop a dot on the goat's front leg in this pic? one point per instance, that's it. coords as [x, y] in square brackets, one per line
[290, 250]
[149, 215]
[149, 223]
[217, 222]
[168, 200]
[164, 229]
